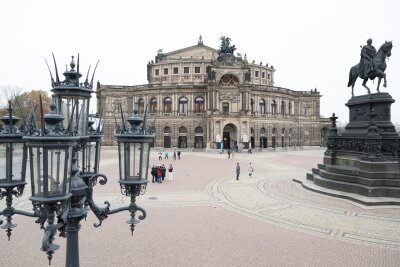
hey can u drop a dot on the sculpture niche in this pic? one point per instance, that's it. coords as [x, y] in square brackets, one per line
[371, 66]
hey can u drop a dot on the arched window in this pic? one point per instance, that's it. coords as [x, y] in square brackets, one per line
[183, 105]
[182, 130]
[199, 105]
[167, 105]
[262, 106]
[153, 105]
[273, 107]
[283, 108]
[141, 106]
[290, 108]
[262, 131]
[198, 130]
[167, 130]
[252, 106]
[228, 80]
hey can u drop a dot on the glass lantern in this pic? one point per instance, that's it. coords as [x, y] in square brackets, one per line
[13, 154]
[134, 159]
[50, 162]
[73, 100]
[90, 154]
[134, 149]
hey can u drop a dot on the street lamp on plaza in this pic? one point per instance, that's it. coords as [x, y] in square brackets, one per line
[133, 152]
[13, 157]
[59, 188]
[90, 152]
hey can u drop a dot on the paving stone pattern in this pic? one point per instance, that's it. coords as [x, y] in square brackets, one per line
[204, 217]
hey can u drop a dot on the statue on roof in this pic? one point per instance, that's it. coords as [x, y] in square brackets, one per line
[226, 47]
[200, 42]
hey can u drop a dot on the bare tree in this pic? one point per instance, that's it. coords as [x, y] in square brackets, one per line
[9, 92]
[24, 103]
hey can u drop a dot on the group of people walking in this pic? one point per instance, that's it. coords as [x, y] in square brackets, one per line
[166, 155]
[158, 173]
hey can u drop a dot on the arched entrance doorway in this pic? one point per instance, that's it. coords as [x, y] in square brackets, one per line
[252, 137]
[274, 133]
[230, 136]
[182, 140]
[167, 137]
[263, 138]
[198, 137]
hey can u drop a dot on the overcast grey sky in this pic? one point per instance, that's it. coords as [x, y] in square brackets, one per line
[312, 44]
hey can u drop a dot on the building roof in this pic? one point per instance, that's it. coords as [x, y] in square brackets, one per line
[199, 51]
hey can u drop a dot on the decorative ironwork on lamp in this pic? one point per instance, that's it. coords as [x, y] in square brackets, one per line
[90, 152]
[50, 164]
[13, 159]
[57, 182]
[134, 150]
[72, 97]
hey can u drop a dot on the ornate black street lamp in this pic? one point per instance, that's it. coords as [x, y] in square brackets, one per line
[50, 162]
[89, 155]
[60, 187]
[134, 151]
[13, 158]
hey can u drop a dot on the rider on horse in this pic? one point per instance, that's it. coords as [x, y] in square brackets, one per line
[368, 53]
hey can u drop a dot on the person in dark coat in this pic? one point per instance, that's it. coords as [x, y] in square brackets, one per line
[153, 173]
[179, 155]
[237, 171]
[163, 171]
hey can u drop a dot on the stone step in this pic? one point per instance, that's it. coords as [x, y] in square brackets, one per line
[370, 191]
[355, 171]
[358, 179]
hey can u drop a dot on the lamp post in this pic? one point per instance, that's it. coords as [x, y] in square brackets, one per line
[13, 158]
[66, 138]
[90, 152]
[133, 152]
[51, 171]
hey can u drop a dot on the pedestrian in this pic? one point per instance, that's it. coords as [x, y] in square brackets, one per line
[237, 171]
[153, 173]
[158, 172]
[160, 156]
[250, 169]
[163, 171]
[229, 154]
[179, 155]
[174, 155]
[166, 155]
[170, 172]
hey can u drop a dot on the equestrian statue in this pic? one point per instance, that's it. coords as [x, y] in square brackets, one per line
[371, 66]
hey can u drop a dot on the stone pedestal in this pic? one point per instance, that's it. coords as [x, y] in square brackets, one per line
[365, 159]
[359, 110]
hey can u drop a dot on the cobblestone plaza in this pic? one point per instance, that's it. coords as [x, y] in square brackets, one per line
[204, 217]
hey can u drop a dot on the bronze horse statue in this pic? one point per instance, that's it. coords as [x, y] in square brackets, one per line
[379, 67]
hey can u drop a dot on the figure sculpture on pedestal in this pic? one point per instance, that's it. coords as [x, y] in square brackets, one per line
[372, 65]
